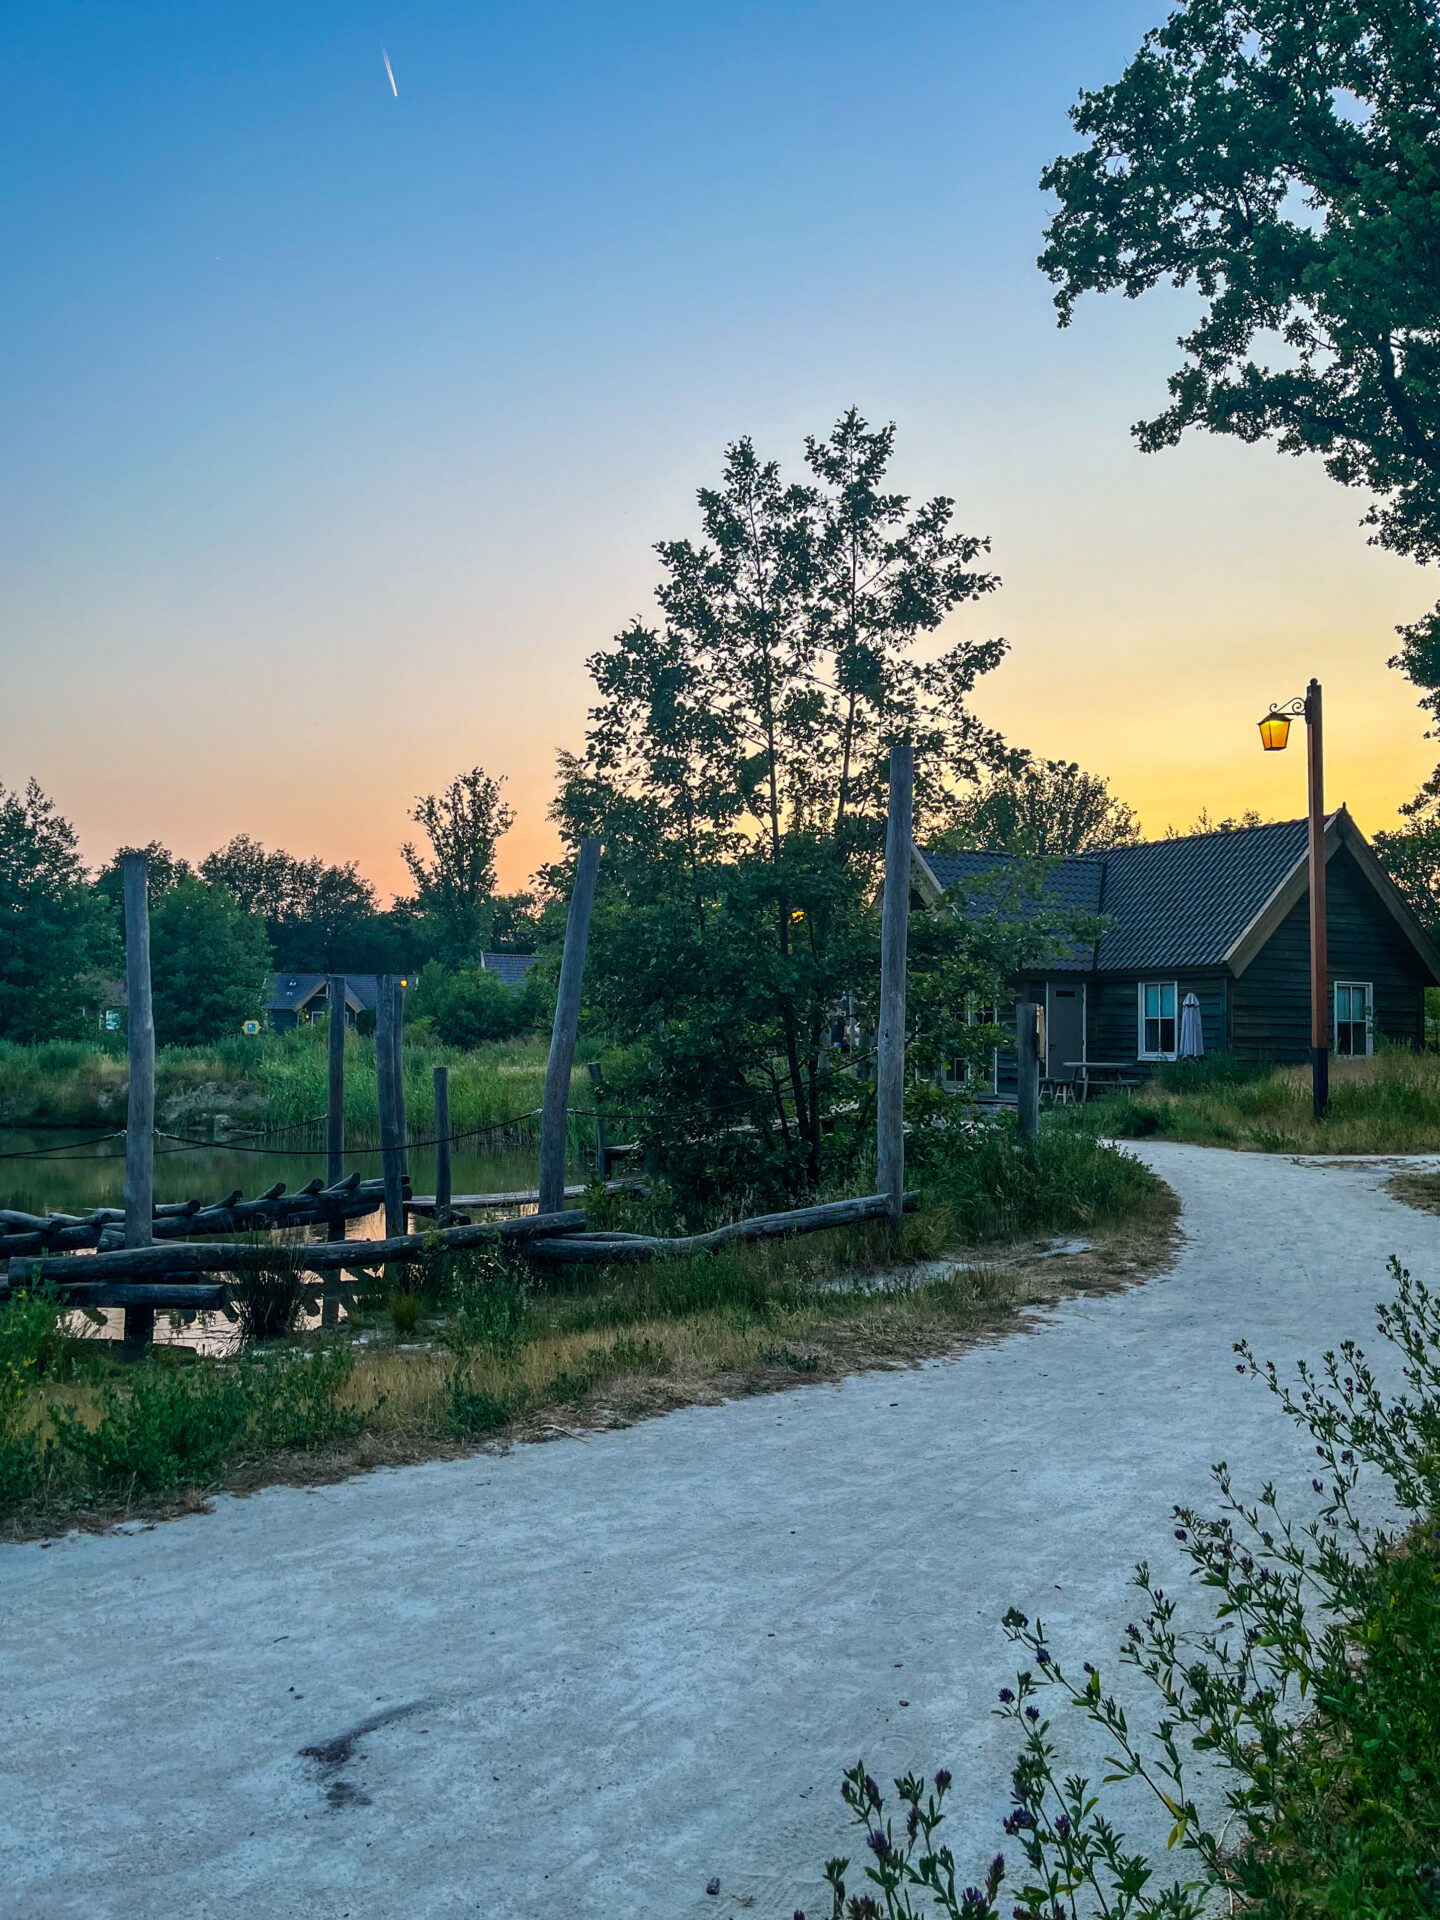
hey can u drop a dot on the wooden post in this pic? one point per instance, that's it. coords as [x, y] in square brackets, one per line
[1027, 1051]
[390, 1166]
[602, 1131]
[562, 1036]
[442, 1146]
[140, 1108]
[894, 932]
[334, 1133]
[1319, 958]
[397, 1034]
[335, 1083]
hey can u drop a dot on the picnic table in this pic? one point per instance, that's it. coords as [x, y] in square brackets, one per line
[1085, 1074]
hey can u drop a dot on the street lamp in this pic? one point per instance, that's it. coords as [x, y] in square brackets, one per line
[1274, 733]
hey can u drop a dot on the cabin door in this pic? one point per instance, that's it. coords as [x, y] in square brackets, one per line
[1064, 1029]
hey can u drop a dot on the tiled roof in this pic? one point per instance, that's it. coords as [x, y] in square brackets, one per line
[286, 991]
[1176, 903]
[509, 968]
[1184, 903]
[1073, 885]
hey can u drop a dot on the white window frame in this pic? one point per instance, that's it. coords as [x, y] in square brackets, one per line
[1367, 987]
[977, 1014]
[1142, 1052]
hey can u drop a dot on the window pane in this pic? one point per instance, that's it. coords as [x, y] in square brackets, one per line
[1152, 1036]
[1167, 1001]
[1167, 1031]
[1152, 1002]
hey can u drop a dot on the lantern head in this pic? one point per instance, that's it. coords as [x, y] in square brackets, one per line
[1274, 732]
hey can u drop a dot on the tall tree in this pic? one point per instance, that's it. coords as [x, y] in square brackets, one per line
[316, 915]
[57, 932]
[1410, 854]
[1049, 807]
[208, 962]
[162, 870]
[1282, 157]
[735, 766]
[455, 880]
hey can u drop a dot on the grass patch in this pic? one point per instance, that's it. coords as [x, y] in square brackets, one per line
[1419, 1190]
[270, 1080]
[490, 1347]
[1389, 1103]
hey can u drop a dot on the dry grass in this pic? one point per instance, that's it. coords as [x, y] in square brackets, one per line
[1420, 1190]
[1388, 1103]
[562, 1381]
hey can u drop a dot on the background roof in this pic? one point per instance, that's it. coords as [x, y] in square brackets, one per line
[1176, 903]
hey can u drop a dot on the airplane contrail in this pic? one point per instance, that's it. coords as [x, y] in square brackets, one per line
[391, 72]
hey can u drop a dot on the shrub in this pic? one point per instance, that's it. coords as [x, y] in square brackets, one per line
[1314, 1688]
[476, 1410]
[267, 1299]
[160, 1429]
[996, 1187]
[27, 1333]
[404, 1311]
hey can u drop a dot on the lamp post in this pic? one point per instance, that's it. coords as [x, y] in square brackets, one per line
[1274, 734]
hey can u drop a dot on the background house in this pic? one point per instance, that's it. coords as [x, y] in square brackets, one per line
[509, 968]
[1225, 916]
[295, 999]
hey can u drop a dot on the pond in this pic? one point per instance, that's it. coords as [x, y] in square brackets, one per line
[74, 1172]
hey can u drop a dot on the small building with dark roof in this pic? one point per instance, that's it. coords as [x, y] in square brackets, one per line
[295, 999]
[509, 969]
[1224, 916]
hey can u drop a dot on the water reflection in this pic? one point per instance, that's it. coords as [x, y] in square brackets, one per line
[89, 1172]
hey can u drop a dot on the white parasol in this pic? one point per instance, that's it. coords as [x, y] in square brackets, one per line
[1192, 1034]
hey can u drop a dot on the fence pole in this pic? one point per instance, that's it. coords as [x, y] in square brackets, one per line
[894, 931]
[140, 1109]
[1027, 1054]
[442, 1146]
[602, 1129]
[335, 1083]
[398, 1036]
[385, 1096]
[334, 1134]
[567, 1024]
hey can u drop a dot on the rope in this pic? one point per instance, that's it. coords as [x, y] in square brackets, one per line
[190, 1145]
[49, 1153]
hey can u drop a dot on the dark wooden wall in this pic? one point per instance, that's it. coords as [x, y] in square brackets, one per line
[1113, 1019]
[1271, 999]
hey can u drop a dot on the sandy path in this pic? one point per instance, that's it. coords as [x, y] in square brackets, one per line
[604, 1670]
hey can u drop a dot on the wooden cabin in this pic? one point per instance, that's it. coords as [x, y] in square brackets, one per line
[1224, 916]
[295, 999]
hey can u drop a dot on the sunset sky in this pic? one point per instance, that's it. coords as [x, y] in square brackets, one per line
[336, 425]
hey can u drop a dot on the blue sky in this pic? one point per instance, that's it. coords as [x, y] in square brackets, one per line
[336, 427]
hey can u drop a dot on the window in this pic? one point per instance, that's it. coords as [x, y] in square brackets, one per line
[1158, 1021]
[1353, 1007]
[968, 1072]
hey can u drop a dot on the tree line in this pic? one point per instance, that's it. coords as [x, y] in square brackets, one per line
[220, 928]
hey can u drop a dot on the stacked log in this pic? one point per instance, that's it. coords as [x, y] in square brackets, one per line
[104, 1228]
